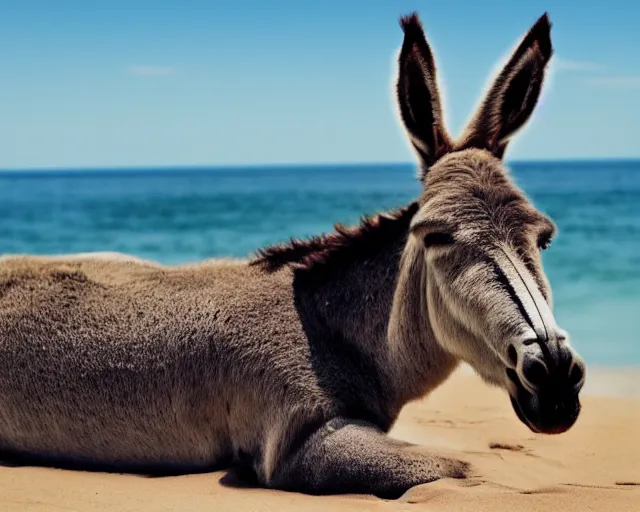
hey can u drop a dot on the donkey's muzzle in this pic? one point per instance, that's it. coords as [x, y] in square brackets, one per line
[547, 380]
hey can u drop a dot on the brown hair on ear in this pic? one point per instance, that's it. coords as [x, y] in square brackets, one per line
[418, 96]
[514, 94]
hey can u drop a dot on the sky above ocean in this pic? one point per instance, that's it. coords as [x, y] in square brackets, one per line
[149, 83]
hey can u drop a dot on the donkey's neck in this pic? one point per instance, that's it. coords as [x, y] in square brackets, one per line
[375, 304]
[419, 361]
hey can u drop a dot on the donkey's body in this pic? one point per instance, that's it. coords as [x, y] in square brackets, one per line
[297, 364]
[119, 363]
[144, 366]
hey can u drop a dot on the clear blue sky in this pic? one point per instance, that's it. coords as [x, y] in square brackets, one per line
[185, 82]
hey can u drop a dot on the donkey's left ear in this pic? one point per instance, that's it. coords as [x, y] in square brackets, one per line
[418, 96]
[514, 93]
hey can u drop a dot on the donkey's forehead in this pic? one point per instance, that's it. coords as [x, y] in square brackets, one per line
[464, 169]
[473, 186]
[472, 176]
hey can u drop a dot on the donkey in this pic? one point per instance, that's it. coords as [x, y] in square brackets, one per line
[294, 365]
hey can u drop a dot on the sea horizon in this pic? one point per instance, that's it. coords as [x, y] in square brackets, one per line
[146, 168]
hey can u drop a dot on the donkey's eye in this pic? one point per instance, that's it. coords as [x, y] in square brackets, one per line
[437, 239]
[544, 241]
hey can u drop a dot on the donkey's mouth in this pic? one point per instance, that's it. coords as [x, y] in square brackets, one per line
[521, 416]
[547, 412]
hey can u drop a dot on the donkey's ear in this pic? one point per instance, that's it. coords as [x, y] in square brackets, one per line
[514, 93]
[418, 96]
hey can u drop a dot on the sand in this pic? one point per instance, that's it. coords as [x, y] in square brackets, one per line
[594, 466]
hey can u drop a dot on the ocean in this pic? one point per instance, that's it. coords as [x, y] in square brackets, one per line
[183, 215]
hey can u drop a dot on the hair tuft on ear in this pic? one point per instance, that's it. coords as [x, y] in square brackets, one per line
[412, 27]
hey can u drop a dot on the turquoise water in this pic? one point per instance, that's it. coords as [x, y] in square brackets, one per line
[185, 215]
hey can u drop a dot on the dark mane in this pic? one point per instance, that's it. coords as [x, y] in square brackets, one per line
[345, 243]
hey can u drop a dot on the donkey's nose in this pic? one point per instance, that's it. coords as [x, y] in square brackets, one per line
[543, 364]
[547, 379]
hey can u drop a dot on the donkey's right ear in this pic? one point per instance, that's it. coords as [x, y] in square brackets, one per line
[418, 96]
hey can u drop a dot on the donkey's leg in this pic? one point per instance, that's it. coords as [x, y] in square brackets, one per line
[344, 456]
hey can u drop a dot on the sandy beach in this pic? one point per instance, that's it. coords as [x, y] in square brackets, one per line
[594, 466]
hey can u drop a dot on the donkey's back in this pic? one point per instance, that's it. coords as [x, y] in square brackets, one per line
[113, 360]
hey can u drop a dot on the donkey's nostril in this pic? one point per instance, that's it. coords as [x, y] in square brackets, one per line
[535, 371]
[513, 355]
[577, 374]
[513, 376]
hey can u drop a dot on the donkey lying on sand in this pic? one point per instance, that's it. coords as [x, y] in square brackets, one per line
[295, 364]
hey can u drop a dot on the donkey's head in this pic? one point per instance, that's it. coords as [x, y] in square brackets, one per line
[489, 301]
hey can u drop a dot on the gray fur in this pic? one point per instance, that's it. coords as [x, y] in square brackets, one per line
[293, 365]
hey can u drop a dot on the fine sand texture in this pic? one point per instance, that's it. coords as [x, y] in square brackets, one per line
[594, 466]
